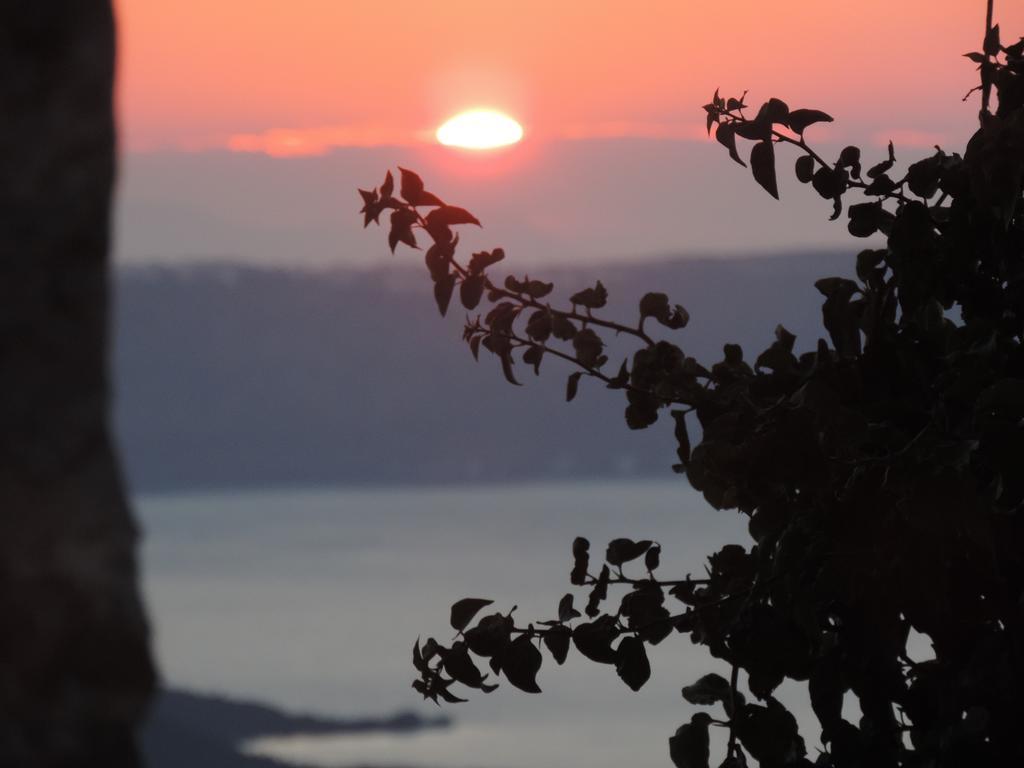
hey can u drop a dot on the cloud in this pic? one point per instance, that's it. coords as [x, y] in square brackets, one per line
[307, 142]
[304, 142]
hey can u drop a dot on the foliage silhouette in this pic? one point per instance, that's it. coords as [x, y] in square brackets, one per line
[880, 472]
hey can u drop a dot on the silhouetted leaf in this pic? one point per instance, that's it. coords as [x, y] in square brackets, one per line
[591, 298]
[654, 305]
[562, 327]
[471, 291]
[484, 259]
[726, 135]
[621, 551]
[566, 612]
[829, 183]
[801, 119]
[557, 640]
[401, 228]
[412, 190]
[682, 436]
[459, 665]
[533, 356]
[506, 367]
[850, 158]
[762, 164]
[581, 561]
[652, 558]
[588, 347]
[777, 111]
[710, 689]
[490, 636]
[594, 639]
[992, 46]
[449, 215]
[521, 663]
[598, 593]
[572, 385]
[443, 290]
[804, 169]
[631, 662]
[464, 610]
[690, 747]
[388, 187]
[412, 185]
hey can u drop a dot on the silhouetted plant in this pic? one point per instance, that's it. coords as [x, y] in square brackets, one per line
[882, 473]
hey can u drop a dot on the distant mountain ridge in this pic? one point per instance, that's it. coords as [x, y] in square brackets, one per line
[192, 730]
[230, 376]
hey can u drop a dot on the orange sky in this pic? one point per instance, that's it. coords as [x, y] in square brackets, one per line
[253, 73]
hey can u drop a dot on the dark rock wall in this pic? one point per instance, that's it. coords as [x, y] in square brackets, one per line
[75, 669]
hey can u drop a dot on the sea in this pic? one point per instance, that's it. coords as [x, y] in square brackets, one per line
[311, 599]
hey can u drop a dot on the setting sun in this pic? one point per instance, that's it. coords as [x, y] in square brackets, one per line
[480, 129]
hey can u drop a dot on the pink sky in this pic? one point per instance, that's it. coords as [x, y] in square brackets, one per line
[311, 74]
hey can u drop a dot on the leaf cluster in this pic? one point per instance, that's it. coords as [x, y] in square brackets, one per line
[879, 470]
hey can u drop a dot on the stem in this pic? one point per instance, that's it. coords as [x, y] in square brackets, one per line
[733, 681]
[986, 80]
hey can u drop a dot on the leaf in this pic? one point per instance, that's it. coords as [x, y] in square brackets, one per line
[412, 185]
[464, 610]
[594, 639]
[829, 183]
[538, 327]
[588, 347]
[538, 289]
[388, 187]
[652, 558]
[598, 593]
[690, 747]
[726, 135]
[621, 551]
[682, 436]
[401, 228]
[566, 612]
[581, 561]
[484, 259]
[450, 215]
[506, 368]
[521, 663]
[562, 327]
[459, 665]
[776, 111]
[471, 291]
[621, 379]
[709, 689]
[631, 662]
[654, 305]
[800, 119]
[557, 640]
[443, 289]
[992, 46]
[572, 385]
[804, 169]
[490, 636]
[591, 298]
[762, 164]
[533, 356]
[850, 158]
[412, 190]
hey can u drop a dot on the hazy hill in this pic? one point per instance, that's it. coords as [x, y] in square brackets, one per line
[190, 730]
[230, 376]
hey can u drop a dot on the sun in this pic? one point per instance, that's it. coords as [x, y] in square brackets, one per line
[480, 129]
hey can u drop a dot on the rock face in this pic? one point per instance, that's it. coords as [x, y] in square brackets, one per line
[75, 669]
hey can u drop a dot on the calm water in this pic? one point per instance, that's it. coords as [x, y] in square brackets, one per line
[311, 600]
